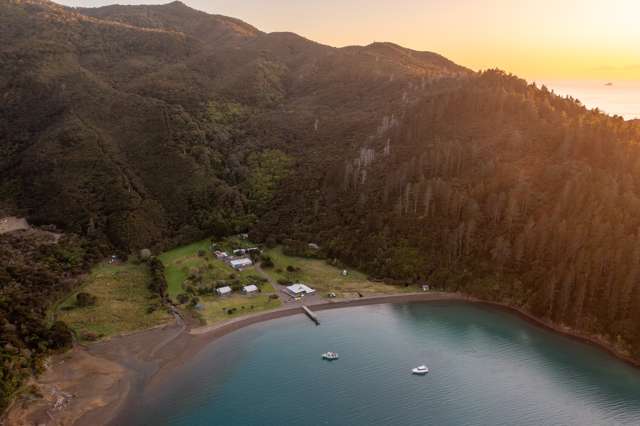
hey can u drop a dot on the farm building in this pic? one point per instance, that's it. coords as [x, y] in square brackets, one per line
[240, 264]
[250, 289]
[223, 291]
[297, 290]
[221, 254]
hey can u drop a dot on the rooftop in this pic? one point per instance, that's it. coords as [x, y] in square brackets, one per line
[241, 262]
[250, 288]
[300, 288]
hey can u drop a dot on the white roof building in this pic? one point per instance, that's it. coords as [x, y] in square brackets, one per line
[240, 263]
[221, 254]
[251, 288]
[222, 291]
[299, 290]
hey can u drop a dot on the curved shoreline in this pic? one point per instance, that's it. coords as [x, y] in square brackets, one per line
[149, 359]
[218, 330]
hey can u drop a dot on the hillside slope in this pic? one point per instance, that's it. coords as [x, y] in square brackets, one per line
[149, 125]
[136, 124]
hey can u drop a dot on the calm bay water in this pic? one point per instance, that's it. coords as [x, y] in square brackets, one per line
[621, 98]
[488, 367]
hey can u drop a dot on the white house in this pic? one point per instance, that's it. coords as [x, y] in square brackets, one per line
[223, 291]
[297, 290]
[250, 289]
[221, 254]
[240, 264]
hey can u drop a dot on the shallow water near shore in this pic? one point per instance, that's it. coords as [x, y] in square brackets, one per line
[487, 367]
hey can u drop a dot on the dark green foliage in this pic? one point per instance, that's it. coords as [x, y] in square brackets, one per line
[158, 282]
[496, 188]
[266, 262]
[34, 273]
[397, 162]
[85, 299]
[183, 298]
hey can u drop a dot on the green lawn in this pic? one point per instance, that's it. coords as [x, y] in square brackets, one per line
[326, 278]
[215, 308]
[122, 303]
[180, 262]
[183, 262]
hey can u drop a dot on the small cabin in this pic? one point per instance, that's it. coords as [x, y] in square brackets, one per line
[240, 264]
[220, 254]
[250, 289]
[223, 291]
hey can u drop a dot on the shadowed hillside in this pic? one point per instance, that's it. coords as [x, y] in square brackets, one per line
[148, 126]
[154, 111]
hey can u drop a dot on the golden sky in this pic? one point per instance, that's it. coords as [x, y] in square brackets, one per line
[535, 39]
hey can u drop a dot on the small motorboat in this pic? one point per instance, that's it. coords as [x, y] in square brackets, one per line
[330, 356]
[420, 371]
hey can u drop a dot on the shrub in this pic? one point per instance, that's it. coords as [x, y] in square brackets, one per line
[183, 298]
[85, 299]
[60, 336]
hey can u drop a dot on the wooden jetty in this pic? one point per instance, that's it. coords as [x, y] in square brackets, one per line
[311, 315]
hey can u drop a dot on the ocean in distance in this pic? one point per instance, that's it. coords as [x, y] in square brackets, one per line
[619, 98]
[487, 367]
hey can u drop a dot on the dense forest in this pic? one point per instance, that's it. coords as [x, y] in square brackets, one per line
[133, 127]
[36, 270]
[498, 189]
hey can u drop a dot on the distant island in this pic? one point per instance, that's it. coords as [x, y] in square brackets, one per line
[609, 84]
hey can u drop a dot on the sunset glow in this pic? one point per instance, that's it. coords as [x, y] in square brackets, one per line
[573, 39]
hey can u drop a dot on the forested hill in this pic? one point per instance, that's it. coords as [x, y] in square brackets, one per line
[143, 126]
[497, 189]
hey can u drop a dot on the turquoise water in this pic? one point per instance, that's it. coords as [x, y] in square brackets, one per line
[488, 367]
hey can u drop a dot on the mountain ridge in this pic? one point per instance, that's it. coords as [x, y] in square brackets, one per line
[399, 163]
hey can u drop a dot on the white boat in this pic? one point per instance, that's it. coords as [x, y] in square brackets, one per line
[421, 370]
[330, 356]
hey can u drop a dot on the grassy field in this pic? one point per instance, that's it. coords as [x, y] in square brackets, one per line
[186, 261]
[326, 278]
[122, 303]
[180, 262]
[217, 308]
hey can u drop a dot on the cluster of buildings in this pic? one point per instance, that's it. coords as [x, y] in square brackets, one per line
[239, 260]
[247, 289]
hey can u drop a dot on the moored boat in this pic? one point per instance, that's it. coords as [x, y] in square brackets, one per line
[330, 356]
[420, 371]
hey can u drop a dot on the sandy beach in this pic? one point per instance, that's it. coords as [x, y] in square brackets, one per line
[97, 384]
